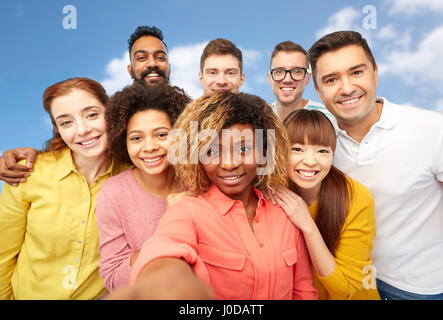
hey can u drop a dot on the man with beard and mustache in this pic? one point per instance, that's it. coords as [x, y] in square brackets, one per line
[149, 63]
[148, 56]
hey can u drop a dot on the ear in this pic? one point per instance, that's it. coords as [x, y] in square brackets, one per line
[269, 79]
[307, 79]
[129, 68]
[200, 77]
[242, 79]
[376, 75]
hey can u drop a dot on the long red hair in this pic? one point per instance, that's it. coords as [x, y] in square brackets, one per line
[314, 128]
[63, 88]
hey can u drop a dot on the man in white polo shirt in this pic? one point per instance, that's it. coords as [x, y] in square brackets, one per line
[397, 152]
[288, 76]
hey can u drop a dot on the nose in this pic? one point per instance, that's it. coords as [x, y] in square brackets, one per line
[347, 86]
[287, 78]
[221, 78]
[310, 159]
[150, 145]
[83, 127]
[229, 161]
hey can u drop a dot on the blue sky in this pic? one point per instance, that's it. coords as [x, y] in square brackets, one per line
[406, 37]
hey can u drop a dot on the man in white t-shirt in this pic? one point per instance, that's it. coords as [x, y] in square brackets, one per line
[288, 76]
[397, 153]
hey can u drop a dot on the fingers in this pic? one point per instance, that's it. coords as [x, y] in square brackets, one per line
[12, 156]
[12, 177]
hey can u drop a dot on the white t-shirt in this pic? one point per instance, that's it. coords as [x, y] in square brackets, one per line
[310, 105]
[400, 160]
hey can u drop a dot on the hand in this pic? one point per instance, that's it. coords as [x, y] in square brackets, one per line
[268, 195]
[175, 197]
[10, 171]
[133, 258]
[295, 207]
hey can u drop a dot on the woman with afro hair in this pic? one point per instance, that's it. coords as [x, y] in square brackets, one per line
[224, 240]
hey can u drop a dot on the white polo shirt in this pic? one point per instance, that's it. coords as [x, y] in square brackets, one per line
[400, 160]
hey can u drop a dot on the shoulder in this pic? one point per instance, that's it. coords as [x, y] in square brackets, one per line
[118, 181]
[418, 116]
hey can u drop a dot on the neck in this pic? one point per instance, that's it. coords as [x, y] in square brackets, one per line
[159, 185]
[283, 110]
[91, 168]
[357, 130]
[310, 196]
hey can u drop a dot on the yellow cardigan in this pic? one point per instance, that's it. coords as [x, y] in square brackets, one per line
[354, 276]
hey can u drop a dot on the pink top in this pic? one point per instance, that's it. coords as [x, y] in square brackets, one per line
[126, 216]
[211, 232]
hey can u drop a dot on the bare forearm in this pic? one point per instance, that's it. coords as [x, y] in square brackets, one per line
[321, 258]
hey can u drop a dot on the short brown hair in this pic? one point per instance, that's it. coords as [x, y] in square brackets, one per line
[288, 46]
[221, 47]
[335, 41]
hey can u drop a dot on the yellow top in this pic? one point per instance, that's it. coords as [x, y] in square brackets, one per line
[353, 277]
[48, 232]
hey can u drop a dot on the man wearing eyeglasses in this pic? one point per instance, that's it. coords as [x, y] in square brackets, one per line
[288, 76]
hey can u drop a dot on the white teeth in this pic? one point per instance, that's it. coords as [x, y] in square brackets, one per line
[152, 160]
[307, 173]
[231, 178]
[350, 101]
[88, 142]
[153, 75]
[287, 89]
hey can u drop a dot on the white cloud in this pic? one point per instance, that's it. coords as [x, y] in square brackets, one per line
[387, 33]
[185, 66]
[347, 18]
[118, 76]
[439, 106]
[341, 20]
[411, 7]
[421, 66]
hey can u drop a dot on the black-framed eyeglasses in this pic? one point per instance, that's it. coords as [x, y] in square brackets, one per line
[297, 74]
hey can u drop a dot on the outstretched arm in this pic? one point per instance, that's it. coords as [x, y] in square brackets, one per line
[10, 171]
[165, 278]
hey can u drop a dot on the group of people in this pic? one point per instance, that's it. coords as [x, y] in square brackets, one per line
[151, 195]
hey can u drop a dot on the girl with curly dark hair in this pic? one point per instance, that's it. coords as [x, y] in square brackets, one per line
[130, 204]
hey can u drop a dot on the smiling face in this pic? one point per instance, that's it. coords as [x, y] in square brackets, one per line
[221, 73]
[80, 120]
[148, 142]
[233, 174]
[346, 83]
[309, 165]
[149, 61]
[288, 91]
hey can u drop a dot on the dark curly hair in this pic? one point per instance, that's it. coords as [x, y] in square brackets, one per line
[145, 31]
[134, 98]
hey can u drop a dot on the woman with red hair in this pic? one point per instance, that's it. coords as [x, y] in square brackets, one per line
[48, 230]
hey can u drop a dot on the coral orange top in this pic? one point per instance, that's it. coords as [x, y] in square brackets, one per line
[211, 232]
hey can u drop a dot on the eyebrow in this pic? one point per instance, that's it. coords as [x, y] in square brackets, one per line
[83, 110]
[147, 52]
[350, 69]
[155, 129]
